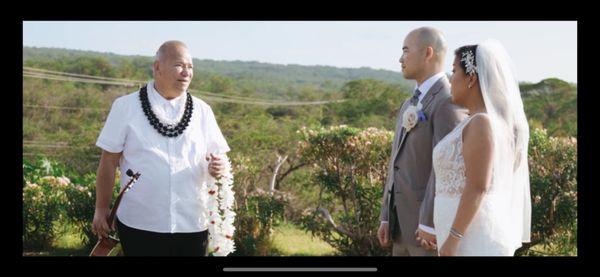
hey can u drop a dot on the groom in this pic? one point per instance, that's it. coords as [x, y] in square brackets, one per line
[423, 120]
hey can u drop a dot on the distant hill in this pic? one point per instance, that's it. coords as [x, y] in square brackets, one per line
[551, 104]
[242, 72]
[550, 85]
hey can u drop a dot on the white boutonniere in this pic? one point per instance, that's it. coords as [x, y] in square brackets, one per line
[412, 116]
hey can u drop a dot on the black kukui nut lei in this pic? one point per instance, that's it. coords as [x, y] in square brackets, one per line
[164, 129]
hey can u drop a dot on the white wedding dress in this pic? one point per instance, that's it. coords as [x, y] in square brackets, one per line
[486, 235]
[503, 220]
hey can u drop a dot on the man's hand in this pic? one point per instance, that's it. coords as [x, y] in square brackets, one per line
[427, 240]
[100, 224]
[215, 166]
[383, 234]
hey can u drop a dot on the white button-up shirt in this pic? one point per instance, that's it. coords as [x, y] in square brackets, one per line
[170, 195]
[427, 84]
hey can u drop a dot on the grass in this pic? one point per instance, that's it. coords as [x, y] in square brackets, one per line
[552, 249]
[291, 240]
[288, 240]
[67, 244]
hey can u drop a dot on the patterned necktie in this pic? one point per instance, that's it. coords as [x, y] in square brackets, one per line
[415, 99]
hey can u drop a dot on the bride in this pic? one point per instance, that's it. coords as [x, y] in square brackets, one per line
[482, 202]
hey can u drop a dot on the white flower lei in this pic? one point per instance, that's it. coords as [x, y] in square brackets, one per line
[220, 213]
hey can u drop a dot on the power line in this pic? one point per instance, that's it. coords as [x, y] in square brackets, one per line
[206, 93]
[64, 108]
[43, 142]
[63, 76]
[29, 154]
[76, 79]
[291, 103]
[72, 77]
[54, 146]
[52, 72]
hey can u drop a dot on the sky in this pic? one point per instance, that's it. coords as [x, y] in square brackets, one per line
[540, 49]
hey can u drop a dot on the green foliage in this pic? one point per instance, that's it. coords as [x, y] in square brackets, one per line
[67, 135]
[257, 211]
[553, 180]
[291, 240]
[42, 201]
[40, 166]
[254, 223]
[80, 206]
[551, 104]
[263, 79]
[258, 134]
[50, 199]
[218, 84]
[350, 167]
[267, 77]
[369, 103]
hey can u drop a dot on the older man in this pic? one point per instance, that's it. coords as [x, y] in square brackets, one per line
[167, 135]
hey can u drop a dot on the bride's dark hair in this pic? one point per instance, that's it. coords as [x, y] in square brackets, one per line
[464, 49]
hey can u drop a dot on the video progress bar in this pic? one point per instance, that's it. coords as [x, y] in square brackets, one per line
[300, 269]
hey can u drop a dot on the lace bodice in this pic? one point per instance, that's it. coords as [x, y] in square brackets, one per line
[486, 235]
[448, 163]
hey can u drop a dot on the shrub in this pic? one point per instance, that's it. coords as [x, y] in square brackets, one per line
[42, 202]
[49, 201]
[350, 169]
[258, 211]
[553, 179]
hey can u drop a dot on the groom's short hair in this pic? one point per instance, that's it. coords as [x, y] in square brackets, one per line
[428, 36]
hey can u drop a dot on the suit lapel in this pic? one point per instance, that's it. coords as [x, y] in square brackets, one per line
[399, 128]
[426, 102]
[435, 89]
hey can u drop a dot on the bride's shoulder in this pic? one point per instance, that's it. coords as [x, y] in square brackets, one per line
[477, 137]
[481, 118]
[478, 126]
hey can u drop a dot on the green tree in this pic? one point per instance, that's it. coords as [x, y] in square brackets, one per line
[553, 180]
[349, 172]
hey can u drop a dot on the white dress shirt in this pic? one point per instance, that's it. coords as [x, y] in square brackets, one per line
[170, 196]
[424, 88]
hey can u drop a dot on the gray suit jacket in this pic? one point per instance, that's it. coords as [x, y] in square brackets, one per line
[410, 171]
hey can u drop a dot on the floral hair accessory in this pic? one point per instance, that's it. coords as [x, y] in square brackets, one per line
[469, 59]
